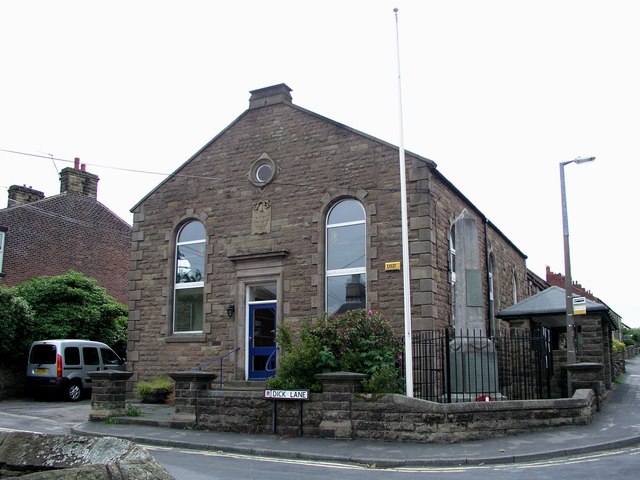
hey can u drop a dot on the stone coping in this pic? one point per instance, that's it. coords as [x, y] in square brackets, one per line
[110, 375]
[193, 376]
[584, 366]
[342, 376]
[581, 398]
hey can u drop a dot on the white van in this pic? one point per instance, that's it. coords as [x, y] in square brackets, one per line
[62, 366]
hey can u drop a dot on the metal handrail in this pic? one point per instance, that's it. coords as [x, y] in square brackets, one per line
[214, 360]
[269, 361]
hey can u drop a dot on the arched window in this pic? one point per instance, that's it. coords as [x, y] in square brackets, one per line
[452, 269]
[491, 277]
[188, 297]
[515, 288]
[345, 257]
[492, 293]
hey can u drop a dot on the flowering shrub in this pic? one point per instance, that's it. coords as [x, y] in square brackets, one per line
[618, 346]
[357, 341]
[484, 398]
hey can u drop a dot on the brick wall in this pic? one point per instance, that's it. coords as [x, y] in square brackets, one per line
[51, 236]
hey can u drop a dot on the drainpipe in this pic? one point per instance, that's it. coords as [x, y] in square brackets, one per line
[486, 256]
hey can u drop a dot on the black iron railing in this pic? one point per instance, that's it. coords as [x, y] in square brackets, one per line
[220, 360]
[455, 367]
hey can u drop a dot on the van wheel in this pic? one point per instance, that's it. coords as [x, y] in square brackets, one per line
[74, 391]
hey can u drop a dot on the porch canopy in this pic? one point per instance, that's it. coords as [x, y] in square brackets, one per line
[548, 308]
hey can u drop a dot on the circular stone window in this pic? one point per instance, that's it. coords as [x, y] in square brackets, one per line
[263, 171]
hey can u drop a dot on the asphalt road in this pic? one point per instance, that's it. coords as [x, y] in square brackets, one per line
[43, 416]
[57, 417]
[194, 465]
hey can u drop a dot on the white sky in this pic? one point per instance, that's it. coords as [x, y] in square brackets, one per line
[497, 93]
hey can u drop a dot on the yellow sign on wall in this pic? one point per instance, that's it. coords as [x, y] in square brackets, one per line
[391, 266]
[579, 306]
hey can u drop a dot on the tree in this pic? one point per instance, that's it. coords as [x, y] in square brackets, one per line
[631, 336]
[16, 319]
[73, 305]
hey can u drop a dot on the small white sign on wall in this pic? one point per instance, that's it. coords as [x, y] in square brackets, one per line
[286, 394]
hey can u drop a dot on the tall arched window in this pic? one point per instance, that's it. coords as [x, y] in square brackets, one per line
[345, 257]
[492, 294]
[452, 270]
[188, 297]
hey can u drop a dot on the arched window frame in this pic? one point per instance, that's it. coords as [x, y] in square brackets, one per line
[188, 284]
[347, 272]
[452, 269]
[491, 279]
[492, 292]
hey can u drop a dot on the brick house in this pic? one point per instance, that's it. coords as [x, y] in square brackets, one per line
[72, 230]
[285, 215]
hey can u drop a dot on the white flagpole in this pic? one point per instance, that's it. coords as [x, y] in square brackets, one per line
[406, 274]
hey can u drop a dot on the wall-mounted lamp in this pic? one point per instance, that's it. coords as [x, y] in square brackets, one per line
[231, 310]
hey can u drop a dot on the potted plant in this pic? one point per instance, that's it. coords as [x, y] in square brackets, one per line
[155, 390]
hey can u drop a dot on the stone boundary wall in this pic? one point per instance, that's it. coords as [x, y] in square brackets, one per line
[388, 417]
[343, 412]
[108, 394]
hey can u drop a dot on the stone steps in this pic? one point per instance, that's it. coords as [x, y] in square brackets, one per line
[243, 386]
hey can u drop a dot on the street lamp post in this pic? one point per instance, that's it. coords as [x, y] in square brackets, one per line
[568, 284]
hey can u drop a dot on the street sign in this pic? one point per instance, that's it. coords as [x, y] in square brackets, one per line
[286, 394]
[579, 306]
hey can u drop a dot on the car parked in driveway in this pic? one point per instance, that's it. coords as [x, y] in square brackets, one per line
[61, 367]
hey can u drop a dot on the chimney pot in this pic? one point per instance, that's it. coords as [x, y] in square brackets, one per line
[83, 167]
[76, 163]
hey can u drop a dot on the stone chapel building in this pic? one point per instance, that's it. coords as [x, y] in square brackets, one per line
[286, 215]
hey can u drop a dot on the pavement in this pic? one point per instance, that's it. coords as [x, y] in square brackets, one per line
[617, 425]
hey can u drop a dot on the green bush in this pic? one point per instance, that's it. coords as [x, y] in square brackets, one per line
[298, 361]
[618, 346]
[16, 320]
[357, 341]
[384, 380]
[73, 305]
[631, 336]
[161, 384]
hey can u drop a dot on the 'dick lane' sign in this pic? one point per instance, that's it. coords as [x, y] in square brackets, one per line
[286, 394]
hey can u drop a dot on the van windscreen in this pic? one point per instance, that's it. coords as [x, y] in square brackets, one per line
[43, 354]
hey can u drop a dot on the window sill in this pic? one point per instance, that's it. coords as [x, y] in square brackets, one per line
[186, 338]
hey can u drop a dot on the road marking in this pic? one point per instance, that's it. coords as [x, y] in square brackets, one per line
[242, 456]
[594, 457]
[2, 429]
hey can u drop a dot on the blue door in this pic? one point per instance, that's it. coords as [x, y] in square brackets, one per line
[262, 341]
